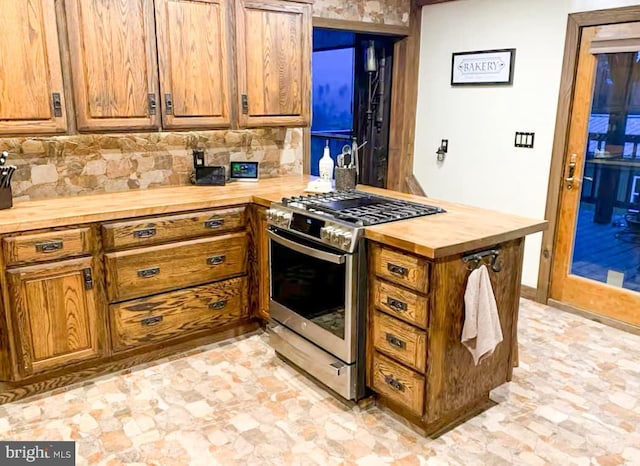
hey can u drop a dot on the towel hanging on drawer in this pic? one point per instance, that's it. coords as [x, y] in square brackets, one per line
[481, 332]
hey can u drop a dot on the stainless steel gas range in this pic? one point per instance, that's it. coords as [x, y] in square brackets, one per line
[318, 274]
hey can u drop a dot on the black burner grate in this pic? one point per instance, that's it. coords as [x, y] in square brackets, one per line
[361, 208]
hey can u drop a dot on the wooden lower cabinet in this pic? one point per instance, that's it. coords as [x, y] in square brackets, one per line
[417, 365]
[403, 385]
[400, 341]
[259, 263]
[140, 272]
[173, 315]
[56, 315]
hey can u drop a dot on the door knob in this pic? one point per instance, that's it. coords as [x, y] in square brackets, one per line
[571, 170]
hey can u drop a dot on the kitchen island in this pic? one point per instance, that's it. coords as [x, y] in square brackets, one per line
[98, 283]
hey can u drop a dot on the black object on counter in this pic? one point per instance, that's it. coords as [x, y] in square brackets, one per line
[210, 176]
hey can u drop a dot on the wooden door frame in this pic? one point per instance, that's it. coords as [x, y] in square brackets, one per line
[575, 23]
[404, 92]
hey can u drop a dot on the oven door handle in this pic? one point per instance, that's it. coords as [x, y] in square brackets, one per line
[322, 255]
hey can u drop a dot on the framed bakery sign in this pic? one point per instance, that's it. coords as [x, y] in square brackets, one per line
[483, 67]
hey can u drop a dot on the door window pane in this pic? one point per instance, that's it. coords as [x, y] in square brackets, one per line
[607, 234]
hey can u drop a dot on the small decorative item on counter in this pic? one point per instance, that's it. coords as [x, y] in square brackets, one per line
[6, 172]
[326, 165]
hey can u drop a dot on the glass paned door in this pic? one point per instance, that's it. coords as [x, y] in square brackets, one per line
[597, 256]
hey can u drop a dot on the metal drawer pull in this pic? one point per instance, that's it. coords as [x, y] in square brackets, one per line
[151, 320]
[49, 246]
[397, 269]
[396, 305]
[214, 223]
[216, 260]
[215, 306]
[88, 278]
[148, 273]
[145, 233]
[393, 383]
[395, 341]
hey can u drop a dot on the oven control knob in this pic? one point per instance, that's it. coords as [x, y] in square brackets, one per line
[325, 233]
[286, 219]
[345, 239]
[334, 235]
[271, 213]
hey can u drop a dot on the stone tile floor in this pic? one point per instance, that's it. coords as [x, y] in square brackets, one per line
[573, 400]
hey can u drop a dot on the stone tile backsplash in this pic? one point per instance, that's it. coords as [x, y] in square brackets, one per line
[391, 12]
[82, 164]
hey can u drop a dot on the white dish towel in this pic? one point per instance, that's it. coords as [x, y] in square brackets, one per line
[481, 332]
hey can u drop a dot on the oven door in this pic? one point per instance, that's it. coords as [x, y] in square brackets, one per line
[313, 292]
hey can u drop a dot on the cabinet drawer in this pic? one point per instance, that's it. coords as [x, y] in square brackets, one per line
[404, 304]
[403, 268]
[140, 272]
[47, 246]
[400, 384]
[171, 228]
[401, 341]
[171, 315]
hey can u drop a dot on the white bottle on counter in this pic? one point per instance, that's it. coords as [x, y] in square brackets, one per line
[326, 165]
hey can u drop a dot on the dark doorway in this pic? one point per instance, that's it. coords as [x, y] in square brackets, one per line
[351, 81]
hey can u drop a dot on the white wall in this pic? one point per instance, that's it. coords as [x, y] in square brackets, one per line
[482, 167]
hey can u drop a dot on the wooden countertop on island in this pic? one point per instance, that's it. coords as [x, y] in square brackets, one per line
[462, 228]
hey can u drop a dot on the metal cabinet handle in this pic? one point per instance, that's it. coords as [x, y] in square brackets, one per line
[168, 104]
[397, 269]
[148, 273]
[144, 233]
[214, 223]
[56, 101]
[394, 383]
[88, 278]
[395, 341]
[151, 321]
[217, 305]
[49, 246]
[151, 101]
[396, 304]
[216, 260]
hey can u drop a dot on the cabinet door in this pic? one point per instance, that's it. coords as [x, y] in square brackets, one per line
[31, 89]
[273, 40]
[194, 63]
[113, 60]
[55, 314]
[260, 262]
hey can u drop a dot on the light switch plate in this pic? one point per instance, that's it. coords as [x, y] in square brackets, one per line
[524, 140]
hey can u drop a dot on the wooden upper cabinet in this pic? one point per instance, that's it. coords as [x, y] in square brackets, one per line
[193, 41]
[31, 88]
[56, 318]
[113, 61]
[273, 41]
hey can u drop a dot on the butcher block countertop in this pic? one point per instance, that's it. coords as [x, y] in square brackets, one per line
[462, 228]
